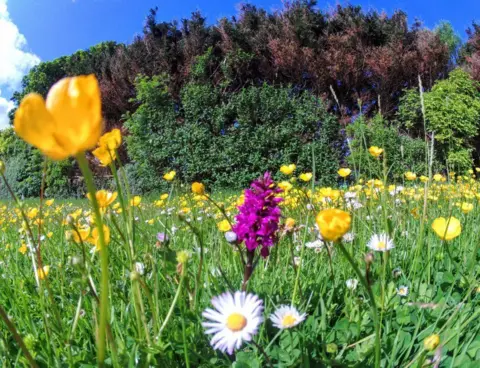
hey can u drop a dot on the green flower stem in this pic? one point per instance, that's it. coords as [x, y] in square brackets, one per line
[297, 278]
[364, 282]
[101, 337]
[174, 302]
[17, 337]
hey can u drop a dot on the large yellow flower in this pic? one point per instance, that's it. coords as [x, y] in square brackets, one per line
[68, 122]
[447, 229]
[79, 235]
[224, 226]
[106, 151]
[104, 198]
[112, 140]
[288, 169]
[135, 201]
[466, 207]
[198, 188]
[95, 238]
[438, 177]
[104, 155]
[375, 151]
[410, 176]
[344, 172]
[333, 223]
[306, 176]
[169, 176]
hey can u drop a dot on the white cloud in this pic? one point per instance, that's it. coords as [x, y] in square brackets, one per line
[5, 107]
[15, 60]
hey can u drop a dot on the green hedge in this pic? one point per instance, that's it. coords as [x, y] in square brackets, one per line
[227, 139]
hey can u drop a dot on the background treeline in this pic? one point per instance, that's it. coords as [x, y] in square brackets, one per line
[223, 102]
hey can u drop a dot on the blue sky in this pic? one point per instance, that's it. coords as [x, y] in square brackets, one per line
[35, 30]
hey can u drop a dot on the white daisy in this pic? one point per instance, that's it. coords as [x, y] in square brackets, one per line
[402, 291]
[351, 284]
[380, 243]
[286, 317]
[235, 319]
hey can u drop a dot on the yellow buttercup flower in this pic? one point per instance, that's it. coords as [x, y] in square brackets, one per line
[104, 198]
[431, 342]
[466, 207]
[104, 155]
[49, 202]
[106, 151]
[224, 226]
[445, 232]
[79, 235]
[68, 122]
[112, 140]
[32, 213]
[375, 151]
[305, 177]
[438, 177]
[95, 238]
[43, 272]
[289, 223]
[285, 186]
[164, 196]
[333, 223]
[135, 201]
[344, 172]
[170, 175]
[198, 188]
[424, 179]
[288, 169]
[411, 176]
[23, 249]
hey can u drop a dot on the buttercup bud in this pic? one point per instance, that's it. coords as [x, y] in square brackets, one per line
[431, 342]
[369, 258]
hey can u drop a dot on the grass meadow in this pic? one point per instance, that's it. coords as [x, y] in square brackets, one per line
[414, 305]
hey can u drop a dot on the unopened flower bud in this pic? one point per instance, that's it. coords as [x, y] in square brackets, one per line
[396, 273]
[431, 342]
[140, 268]
[2, 167]
[332, 348]
[369, 258]
[134, 276]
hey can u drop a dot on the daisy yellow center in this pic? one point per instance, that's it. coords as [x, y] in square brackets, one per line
[289, 320]
[381, 245]
[236, 322]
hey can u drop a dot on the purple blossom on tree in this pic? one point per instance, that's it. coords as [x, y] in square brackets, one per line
[257, 221]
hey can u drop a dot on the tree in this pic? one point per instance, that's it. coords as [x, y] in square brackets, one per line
[452, 112]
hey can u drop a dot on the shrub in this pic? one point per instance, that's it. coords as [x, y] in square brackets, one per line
[227, 139]
[452, 111]
[402, 152]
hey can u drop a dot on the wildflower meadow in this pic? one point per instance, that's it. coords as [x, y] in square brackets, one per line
[285, 273]
[217, 196]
